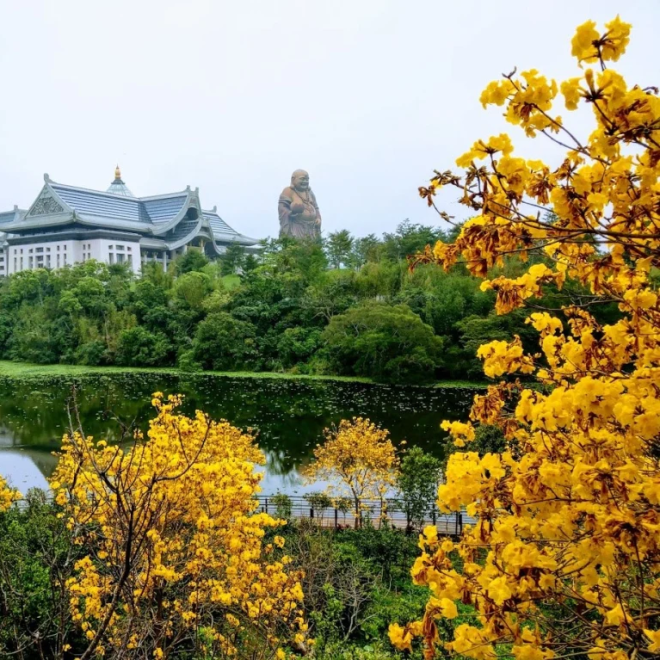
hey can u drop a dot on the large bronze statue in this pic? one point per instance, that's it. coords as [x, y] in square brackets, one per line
[299, 213]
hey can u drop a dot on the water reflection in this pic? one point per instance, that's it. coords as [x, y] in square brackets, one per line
[287, 416]
[25, 469]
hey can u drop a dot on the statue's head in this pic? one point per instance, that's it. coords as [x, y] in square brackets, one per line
[300, 180]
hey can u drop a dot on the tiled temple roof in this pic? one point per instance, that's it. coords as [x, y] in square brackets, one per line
[102, 204]
[59, 204]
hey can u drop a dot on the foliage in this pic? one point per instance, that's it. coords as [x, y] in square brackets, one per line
[349, 596]
[172, 542]
[346, 652]
[288, 293]
[223, 342]
[190, 289]
[339, 246]
[190, 261]
[137, 346]
[564, 557]
[318, 501]
[358, 459]
[233, 260]
[388, 343]
[283, 505]
[36, 560]
[418, 483]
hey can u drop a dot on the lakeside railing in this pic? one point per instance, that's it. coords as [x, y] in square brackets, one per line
[376, 513]
[373, 512]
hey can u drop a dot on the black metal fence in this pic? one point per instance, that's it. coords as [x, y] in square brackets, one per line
[373, 512]
[339, 515]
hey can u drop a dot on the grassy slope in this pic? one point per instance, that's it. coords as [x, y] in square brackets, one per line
[25, 370]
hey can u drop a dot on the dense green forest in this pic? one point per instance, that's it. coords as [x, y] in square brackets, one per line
[343, 306]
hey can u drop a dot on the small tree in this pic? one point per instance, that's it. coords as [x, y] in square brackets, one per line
[192, 260]
[173, 544]
[418, 483]
[233, 259]
[359, 461]
[283, 505]
[339, 245]
[318, 502]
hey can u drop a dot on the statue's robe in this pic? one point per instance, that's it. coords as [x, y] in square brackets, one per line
[299, 225]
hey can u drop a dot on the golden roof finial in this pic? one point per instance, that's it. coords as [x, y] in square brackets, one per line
[117, 173]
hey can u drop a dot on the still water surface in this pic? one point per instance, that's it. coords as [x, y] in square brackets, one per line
[288, 416]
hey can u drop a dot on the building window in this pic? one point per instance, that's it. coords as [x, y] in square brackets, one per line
[129, 258]
[15, 264]
[48, 261]
[119, 247]
[65, 256]
[21, 250]
[111, 258]
[120, 258]
[29, 251]
[30, 263]
[58, 248]
[38, 249]
[128, 248]
[47, 249]
[58, 260]
[64, 248]
[109, 247]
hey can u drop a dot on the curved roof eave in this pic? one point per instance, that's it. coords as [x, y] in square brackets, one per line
[39, 221]
[216, 248]
[191, 197]
[226, 238]
[151, 243]
[68, 218]
[113, 223]
[187, 238]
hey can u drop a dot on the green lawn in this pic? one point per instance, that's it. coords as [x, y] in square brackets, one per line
[26, 370]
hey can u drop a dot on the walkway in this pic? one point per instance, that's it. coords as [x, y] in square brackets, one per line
[298, 507]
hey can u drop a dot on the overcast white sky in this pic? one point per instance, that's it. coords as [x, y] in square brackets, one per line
[368, 95]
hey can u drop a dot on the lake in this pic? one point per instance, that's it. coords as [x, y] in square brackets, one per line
[288, 415]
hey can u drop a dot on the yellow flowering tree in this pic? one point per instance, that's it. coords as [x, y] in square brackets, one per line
[564, 559]
[175, 553]
[359, 461]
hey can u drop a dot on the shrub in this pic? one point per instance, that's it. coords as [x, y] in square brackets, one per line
[388, 343]
[224, 343]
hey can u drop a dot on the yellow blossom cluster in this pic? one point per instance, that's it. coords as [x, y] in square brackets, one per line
[563, 558]
[359, 461]
[172, 541]
[8, 495]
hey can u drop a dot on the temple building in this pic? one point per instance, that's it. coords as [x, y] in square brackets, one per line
[67, 225]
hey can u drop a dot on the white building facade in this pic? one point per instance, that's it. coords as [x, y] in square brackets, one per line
[67, 225]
